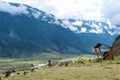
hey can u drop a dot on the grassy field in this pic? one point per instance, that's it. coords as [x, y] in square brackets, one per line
[105, 70]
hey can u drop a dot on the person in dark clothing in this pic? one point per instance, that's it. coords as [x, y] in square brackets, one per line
[105, 55]
[49, 63]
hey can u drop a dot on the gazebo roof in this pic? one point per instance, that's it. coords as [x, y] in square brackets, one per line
[98, 45]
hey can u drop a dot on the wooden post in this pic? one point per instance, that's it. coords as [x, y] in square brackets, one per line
[96, 53]
[100, 52]
[111, 53]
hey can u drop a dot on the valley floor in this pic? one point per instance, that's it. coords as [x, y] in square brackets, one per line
[89, 71]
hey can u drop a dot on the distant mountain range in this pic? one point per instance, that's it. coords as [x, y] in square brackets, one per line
[25, 31]
[30, 31]
[93, 32]
[89, 26]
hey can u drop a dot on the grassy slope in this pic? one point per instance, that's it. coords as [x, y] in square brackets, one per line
[106, 70]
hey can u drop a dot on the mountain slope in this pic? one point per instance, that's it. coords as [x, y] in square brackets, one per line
[27, 30]
[93, 32]
[116, 46]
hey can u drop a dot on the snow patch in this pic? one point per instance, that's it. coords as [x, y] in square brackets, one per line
[73, 28]
[36, 14]
[78, 23]
[82, 26]
[96, 28]
[111, 33]
[83, 29]
[69, 25]
[7, 7]
[44, 18]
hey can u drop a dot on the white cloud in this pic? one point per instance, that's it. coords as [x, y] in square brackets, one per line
[17, 10]
[116, 19]
[110, 10]
[6, 7]
[80, 9]
[65, 8]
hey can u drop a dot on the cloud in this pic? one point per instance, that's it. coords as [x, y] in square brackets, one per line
[116, 19]
[81, 9]
[63, 8]
[6, 7]
[110, 10]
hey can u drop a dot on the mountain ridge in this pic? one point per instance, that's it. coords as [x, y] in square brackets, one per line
[91, 26]
[23, 34]
[93, 32]
[25, 31]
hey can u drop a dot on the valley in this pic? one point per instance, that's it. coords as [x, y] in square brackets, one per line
[105, 70]
[33, 32]
[37, 45]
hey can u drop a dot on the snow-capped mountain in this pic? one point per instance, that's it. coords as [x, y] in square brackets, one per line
[89, 26]
[21, 9]
[93, 32]
[25, 31]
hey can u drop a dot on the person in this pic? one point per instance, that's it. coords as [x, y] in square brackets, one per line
[105, 55]
[108, 56]
[32, 67]
[66, 63]
[49, 63]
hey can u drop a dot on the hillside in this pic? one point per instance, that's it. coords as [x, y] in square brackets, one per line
[27, 31]
[116, 46]
[93, 32]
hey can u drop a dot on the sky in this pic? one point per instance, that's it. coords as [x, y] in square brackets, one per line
[101, 10]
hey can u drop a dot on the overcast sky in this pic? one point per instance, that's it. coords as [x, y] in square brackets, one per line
[80, 9]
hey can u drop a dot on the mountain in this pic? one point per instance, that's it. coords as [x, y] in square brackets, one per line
[116, 46]
[25, 31]
[93, 32]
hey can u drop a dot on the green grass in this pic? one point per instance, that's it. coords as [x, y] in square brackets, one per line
[105, 70]
[6, 60]
[94, 72]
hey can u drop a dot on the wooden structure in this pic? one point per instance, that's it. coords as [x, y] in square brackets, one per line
[108, 55]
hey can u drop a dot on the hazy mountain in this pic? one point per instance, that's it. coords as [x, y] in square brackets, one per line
[25, 30]
[93, 32]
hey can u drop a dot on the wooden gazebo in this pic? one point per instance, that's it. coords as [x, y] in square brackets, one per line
[108, 55]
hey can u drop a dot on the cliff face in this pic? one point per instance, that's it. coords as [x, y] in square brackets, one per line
[116, 46]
